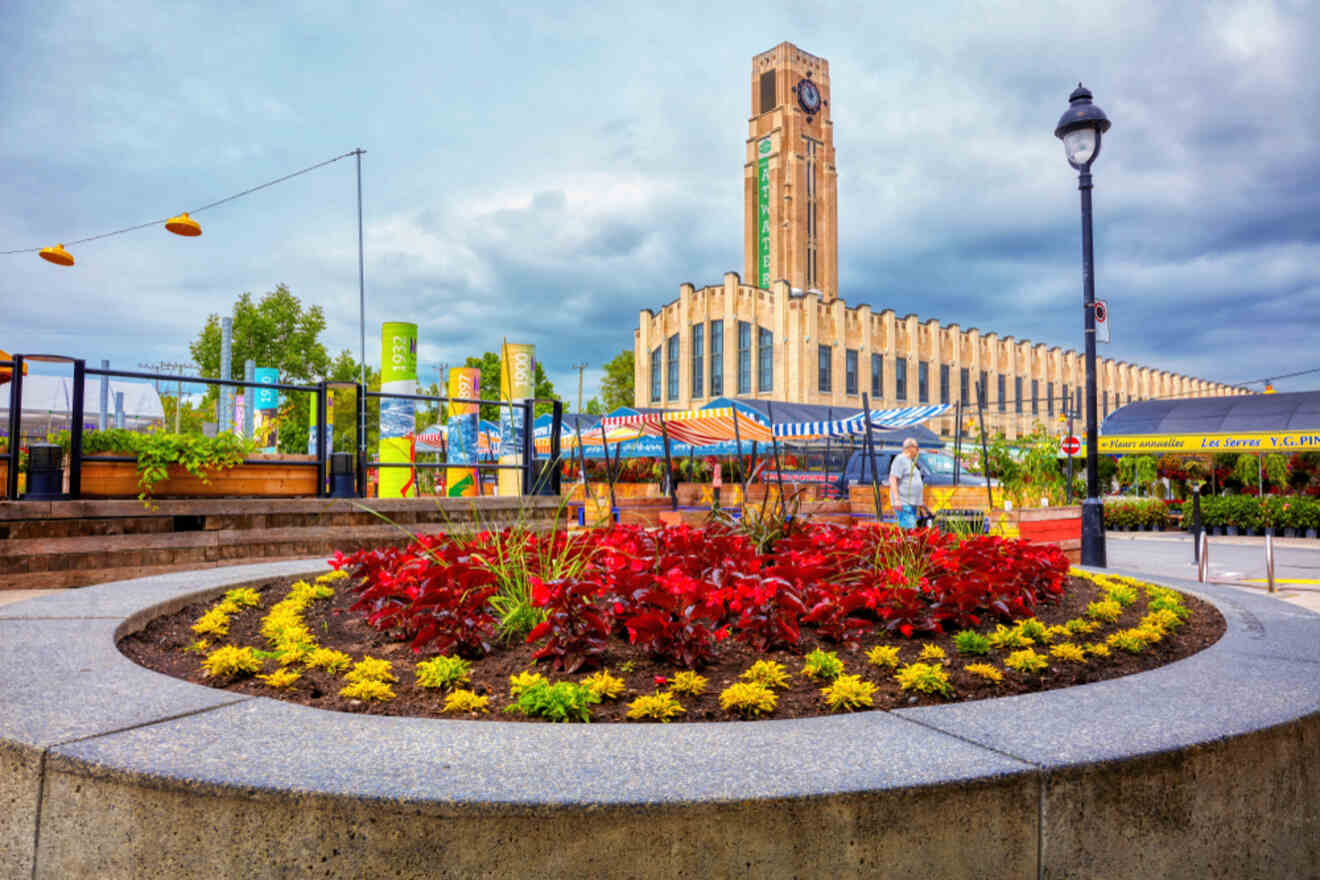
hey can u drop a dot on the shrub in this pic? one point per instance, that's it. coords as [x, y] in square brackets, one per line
[767, 673]
[849, 693]
[1068, 651]
[1005, 637]
[464, 701]
[1034, 630]
[748, 699]
[1123, 594]
[1079, 627]
[662, 707]
[367, 689]
[524, 680]
[371, 669]
[604, 685]
[244, 597]
[971, 642]
[986, 671]
[883, 655]
[333, 662]
[931, 652]
[213, 623]
[1098, 650]
[443, 672]
[562, 701]
[688, 682]
[822, 664]
[1133, 641]
[228, 661]
[1026, 660]
[1105, 610]
[925, 678]
[280, 678]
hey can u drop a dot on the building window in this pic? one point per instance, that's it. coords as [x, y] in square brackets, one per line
[983, 389]
[963, 390]
[698, 359]
[744, 358]
[1106, 410]
[850, 372]
[765, 360]
[824, 355]
[1067, 401]
[1035, 397]
[1049, 399]
[812, 227]
[1002, 395]
[655, 374]
[877, 377]
[671, 386]
[900, 379]
[1017, 394]
[716, 358]
[944, 383]
[923, 382]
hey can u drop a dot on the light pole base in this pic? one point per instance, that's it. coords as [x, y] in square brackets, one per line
[1093, 533]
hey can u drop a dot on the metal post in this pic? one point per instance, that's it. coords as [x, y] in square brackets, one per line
[362, 334]
[556, 427]
[119, 409]
[225, 408]
[1269, 558]
[1093, 524]
[15, 426]
[957, 441]
[79, 406]
[322, 408]
[868, 454]
[361, 440]
[737, 440]
[1070, 410]
[249, 399]
[669, 466]
[1260, 476]
[1196, 524]
[105, 396]
[829, 420]
[530, 484]
[985, 450]
[609, 471]
[779, 469]
[1203, 564]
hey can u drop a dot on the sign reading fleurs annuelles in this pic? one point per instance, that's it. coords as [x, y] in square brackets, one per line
[1279, 441]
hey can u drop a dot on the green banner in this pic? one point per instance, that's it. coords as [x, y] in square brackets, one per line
[398, 367]
[763, 213]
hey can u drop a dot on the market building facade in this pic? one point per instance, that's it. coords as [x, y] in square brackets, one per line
[793, 338]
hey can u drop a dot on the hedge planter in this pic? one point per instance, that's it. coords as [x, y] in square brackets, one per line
[282, 477]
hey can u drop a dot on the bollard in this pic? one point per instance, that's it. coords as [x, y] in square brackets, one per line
[1269, 558]
[45, 472]
[342, 477]
[1203, 564]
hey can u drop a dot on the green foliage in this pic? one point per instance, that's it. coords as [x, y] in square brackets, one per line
[243, 597]
[986, 671]
[604, 685]
[883, 655]
[524, 680]
[463, 701]
[1123, 594]
[371, 669]
[616, 388]
[1008, 637]
[443, 672]
[849, 693]
[1106, 610]
[924, 677]
[562, 701]
[367, 689]
[1034, 630]
[662, 707]
[688, 682]
[1068, 651]
[1027, 468]
[332, 661]
[593, 408]
[971, 642]
[822, 664]
[280, 678]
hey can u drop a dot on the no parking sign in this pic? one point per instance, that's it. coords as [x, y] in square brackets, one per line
[1101, 321]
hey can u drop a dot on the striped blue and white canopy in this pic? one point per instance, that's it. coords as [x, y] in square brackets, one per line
[881, 419]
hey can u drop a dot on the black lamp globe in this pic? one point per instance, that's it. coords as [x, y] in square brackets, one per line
[1080, 128]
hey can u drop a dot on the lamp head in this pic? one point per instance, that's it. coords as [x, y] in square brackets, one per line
[57, 255]
[183, 225]
[1080, 128]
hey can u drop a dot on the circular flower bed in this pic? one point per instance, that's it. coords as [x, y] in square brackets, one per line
[679, 624]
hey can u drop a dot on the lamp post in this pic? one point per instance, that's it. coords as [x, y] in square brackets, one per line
[1080, 128]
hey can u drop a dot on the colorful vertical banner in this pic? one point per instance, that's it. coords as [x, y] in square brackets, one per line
[398, 375]
[763, 213]
[461, 431]
[517, 383]
[265, 402]
[313, 428]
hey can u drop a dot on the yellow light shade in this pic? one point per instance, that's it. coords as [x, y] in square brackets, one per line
[1269, 389]
[7, 373]
[57, 255]
[183, 225]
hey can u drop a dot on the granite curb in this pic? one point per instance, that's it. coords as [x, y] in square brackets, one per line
[77, 709]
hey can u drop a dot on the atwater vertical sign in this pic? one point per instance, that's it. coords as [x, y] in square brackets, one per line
[763, 213]
[398, 374]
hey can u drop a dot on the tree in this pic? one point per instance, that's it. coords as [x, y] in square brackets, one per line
[594, 408]
[489, 364]
[275, 331]
[616, 389]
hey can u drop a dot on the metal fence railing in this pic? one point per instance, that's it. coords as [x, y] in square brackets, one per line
[535, 476]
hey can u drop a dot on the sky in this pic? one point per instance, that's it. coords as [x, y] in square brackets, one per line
[542, 173]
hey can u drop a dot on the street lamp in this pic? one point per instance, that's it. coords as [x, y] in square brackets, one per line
[1080, 128]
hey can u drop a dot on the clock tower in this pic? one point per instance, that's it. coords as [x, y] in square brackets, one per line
[790, 182]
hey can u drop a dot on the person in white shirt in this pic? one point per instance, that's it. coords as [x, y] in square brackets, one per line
[905, 486]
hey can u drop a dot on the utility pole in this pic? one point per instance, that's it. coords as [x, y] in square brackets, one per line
[579, 368]
[172, 366]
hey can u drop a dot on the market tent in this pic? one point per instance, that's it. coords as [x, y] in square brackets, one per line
[712, 424]
[1249, 423]
[855, 425]
[48, 403]
[435, 437]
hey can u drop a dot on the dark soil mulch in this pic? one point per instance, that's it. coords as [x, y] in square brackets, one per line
[160, 647]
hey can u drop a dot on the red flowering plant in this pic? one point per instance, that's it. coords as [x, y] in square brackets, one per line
[576, 631]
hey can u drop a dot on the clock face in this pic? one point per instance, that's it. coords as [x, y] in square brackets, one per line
[808, 96]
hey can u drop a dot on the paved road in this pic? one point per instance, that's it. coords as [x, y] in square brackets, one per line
[1236, 561]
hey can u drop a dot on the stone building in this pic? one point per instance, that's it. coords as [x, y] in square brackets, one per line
[793, 338]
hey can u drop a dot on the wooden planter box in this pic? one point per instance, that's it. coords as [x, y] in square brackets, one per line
[703, 494]
[1050, 523]
[119, 479]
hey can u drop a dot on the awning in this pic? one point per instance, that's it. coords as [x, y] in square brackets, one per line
[852, 426]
